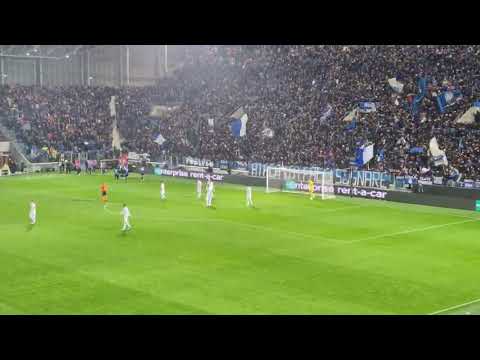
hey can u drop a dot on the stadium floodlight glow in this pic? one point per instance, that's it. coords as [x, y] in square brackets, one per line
[28, 54]
[4, 75]
[67, 56]
[90, 78]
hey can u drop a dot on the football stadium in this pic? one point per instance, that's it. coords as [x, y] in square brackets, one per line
[239, 179]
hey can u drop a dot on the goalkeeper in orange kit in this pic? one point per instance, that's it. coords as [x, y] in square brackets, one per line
[103, 190]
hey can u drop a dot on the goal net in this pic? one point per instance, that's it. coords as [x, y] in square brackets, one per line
[296, 181]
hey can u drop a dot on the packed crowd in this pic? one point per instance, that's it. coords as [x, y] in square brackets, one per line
[57, 119]
[301, 93]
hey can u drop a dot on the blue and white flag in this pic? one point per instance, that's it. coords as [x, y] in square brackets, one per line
[326, 113]
[239, 123]
[363, 155]
[396, 85]
[367, 106]
[448, 98]
[477, 104]
[438, 156]
[160, 139]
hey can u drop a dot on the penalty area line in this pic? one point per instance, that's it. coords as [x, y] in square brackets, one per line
[454, 307]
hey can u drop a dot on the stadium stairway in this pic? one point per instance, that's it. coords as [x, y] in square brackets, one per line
[17, 150]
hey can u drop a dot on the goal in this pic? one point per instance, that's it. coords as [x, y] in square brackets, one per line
[296, 181]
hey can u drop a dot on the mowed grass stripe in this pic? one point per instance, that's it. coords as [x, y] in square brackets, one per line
[230, 260]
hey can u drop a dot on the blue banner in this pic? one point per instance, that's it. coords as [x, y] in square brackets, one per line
[362, 178]
[417, 150]
[373, 179]
[422, 87]
[367, 106]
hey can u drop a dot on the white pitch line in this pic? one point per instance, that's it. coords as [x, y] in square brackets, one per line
[314, 236]
[166, 219]
[410, 231]
[455, 307]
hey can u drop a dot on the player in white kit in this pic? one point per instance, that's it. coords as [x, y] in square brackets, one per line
[249, 196]
[210, 191]
[126, 215]
[199, 189]
[162, 191]
[33, 213]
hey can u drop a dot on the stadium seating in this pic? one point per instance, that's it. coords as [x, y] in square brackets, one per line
[296, 99]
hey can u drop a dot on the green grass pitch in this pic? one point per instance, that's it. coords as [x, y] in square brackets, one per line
[289, 255]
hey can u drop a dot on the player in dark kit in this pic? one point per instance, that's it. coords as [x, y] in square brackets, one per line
[142, 173]
[117, 175]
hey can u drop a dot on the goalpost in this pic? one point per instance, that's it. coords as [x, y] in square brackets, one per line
[296, 181]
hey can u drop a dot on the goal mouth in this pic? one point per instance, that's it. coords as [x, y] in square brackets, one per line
[280, 179]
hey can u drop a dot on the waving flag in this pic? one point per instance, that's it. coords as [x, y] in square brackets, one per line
[239, 123]
[396, 85]
[268, 133]
[469, 116]
[113, 111]
[438, 156]
[326, 113]
[160, 139]
[367, 107]
[351, 116]
[211, 125]
[448, 98]
[417, 100]
[363, 155]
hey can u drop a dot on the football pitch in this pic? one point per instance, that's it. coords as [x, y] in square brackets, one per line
[288, 255]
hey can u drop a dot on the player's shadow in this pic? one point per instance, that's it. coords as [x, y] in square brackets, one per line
[29, 227]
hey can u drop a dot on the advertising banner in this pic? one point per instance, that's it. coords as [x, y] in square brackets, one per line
[425, 180]
[354, 191]
[187, 174]
[198, 162]
[292, 185]
[365, 193]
